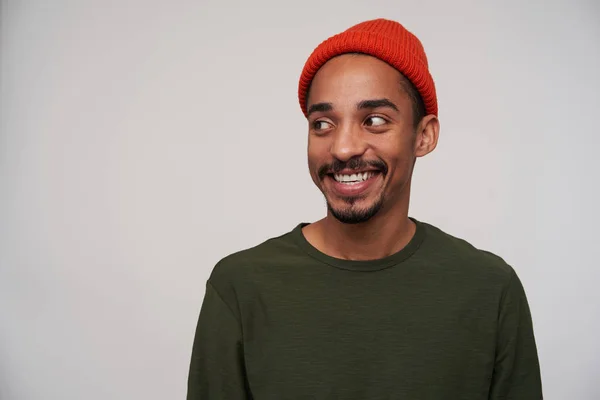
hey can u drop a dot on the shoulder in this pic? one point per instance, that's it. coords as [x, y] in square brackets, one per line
[460, 256]
[234, 268]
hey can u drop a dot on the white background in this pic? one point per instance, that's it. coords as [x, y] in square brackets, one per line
[142, 141]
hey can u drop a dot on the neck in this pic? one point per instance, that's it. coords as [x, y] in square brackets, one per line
[381, 236]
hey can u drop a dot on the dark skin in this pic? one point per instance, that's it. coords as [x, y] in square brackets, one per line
[359, 110]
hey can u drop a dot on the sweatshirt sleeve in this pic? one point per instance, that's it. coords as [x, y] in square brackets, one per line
[217, 365]
[516, 370]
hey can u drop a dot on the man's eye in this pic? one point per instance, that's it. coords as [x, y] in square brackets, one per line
[375, 121]
[321, 125]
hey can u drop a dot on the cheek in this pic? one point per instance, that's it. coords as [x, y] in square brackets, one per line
[317, 154]
[314, 162]
[398, 154]
[403, 166]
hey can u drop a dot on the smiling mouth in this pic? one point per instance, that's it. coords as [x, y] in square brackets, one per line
[351, 179]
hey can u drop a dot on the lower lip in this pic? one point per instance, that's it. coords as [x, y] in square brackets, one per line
[352, 189]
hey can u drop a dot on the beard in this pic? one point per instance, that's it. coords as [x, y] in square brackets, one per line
[353, 215]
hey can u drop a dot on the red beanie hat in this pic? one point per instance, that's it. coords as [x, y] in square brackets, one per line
[386, 40]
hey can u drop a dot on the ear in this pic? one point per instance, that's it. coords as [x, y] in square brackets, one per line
[427, 135]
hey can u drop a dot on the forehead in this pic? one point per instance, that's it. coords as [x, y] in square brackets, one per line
[351, 78]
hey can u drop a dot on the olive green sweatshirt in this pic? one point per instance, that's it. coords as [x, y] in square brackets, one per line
[439, 320]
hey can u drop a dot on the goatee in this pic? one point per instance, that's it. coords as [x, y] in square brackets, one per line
[351, 215]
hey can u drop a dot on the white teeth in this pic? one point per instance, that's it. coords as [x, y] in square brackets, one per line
[354, 178]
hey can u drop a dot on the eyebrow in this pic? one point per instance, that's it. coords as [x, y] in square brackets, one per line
[319, 107]
[376, 103]
[365, 104]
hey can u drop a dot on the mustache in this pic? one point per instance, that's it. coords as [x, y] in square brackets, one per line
[352, 164]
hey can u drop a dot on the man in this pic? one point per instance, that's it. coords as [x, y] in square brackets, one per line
[366, 303]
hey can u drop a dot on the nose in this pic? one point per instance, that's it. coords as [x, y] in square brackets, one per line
[348, 142]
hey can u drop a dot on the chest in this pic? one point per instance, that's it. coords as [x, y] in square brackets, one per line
[334, 336]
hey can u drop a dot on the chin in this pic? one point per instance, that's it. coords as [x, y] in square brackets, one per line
[352, 213]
